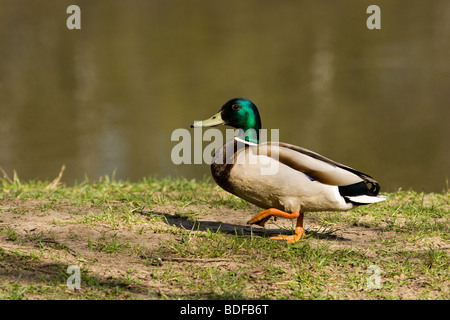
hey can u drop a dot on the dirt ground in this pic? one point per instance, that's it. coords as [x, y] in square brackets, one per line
[58, 237]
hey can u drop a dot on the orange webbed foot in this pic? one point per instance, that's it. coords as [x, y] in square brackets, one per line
[262, 217]
[299, 233]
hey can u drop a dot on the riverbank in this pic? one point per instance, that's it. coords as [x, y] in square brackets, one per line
[180, 239]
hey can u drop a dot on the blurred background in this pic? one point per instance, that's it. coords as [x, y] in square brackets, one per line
[105, 99]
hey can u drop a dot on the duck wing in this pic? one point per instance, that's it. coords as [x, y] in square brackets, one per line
[354, 186]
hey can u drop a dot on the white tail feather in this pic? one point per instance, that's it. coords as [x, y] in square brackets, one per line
[364, 199]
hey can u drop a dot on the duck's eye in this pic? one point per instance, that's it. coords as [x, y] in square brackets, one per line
[236, 107]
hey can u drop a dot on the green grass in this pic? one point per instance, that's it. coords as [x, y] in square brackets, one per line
[186, 239]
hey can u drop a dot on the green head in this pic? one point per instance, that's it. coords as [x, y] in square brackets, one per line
[239, 113]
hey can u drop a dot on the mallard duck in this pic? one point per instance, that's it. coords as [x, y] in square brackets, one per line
[303, 181]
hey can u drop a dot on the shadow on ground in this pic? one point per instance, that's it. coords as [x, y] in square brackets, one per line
[238, 229]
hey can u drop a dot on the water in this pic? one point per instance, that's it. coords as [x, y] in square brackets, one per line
[105, 99]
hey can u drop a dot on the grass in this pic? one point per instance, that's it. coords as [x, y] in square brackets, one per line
[185, 239]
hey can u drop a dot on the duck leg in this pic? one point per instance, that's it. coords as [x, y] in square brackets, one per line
[262, 217]
[298, 233]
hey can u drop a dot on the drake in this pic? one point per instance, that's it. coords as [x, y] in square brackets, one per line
[302, 180]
